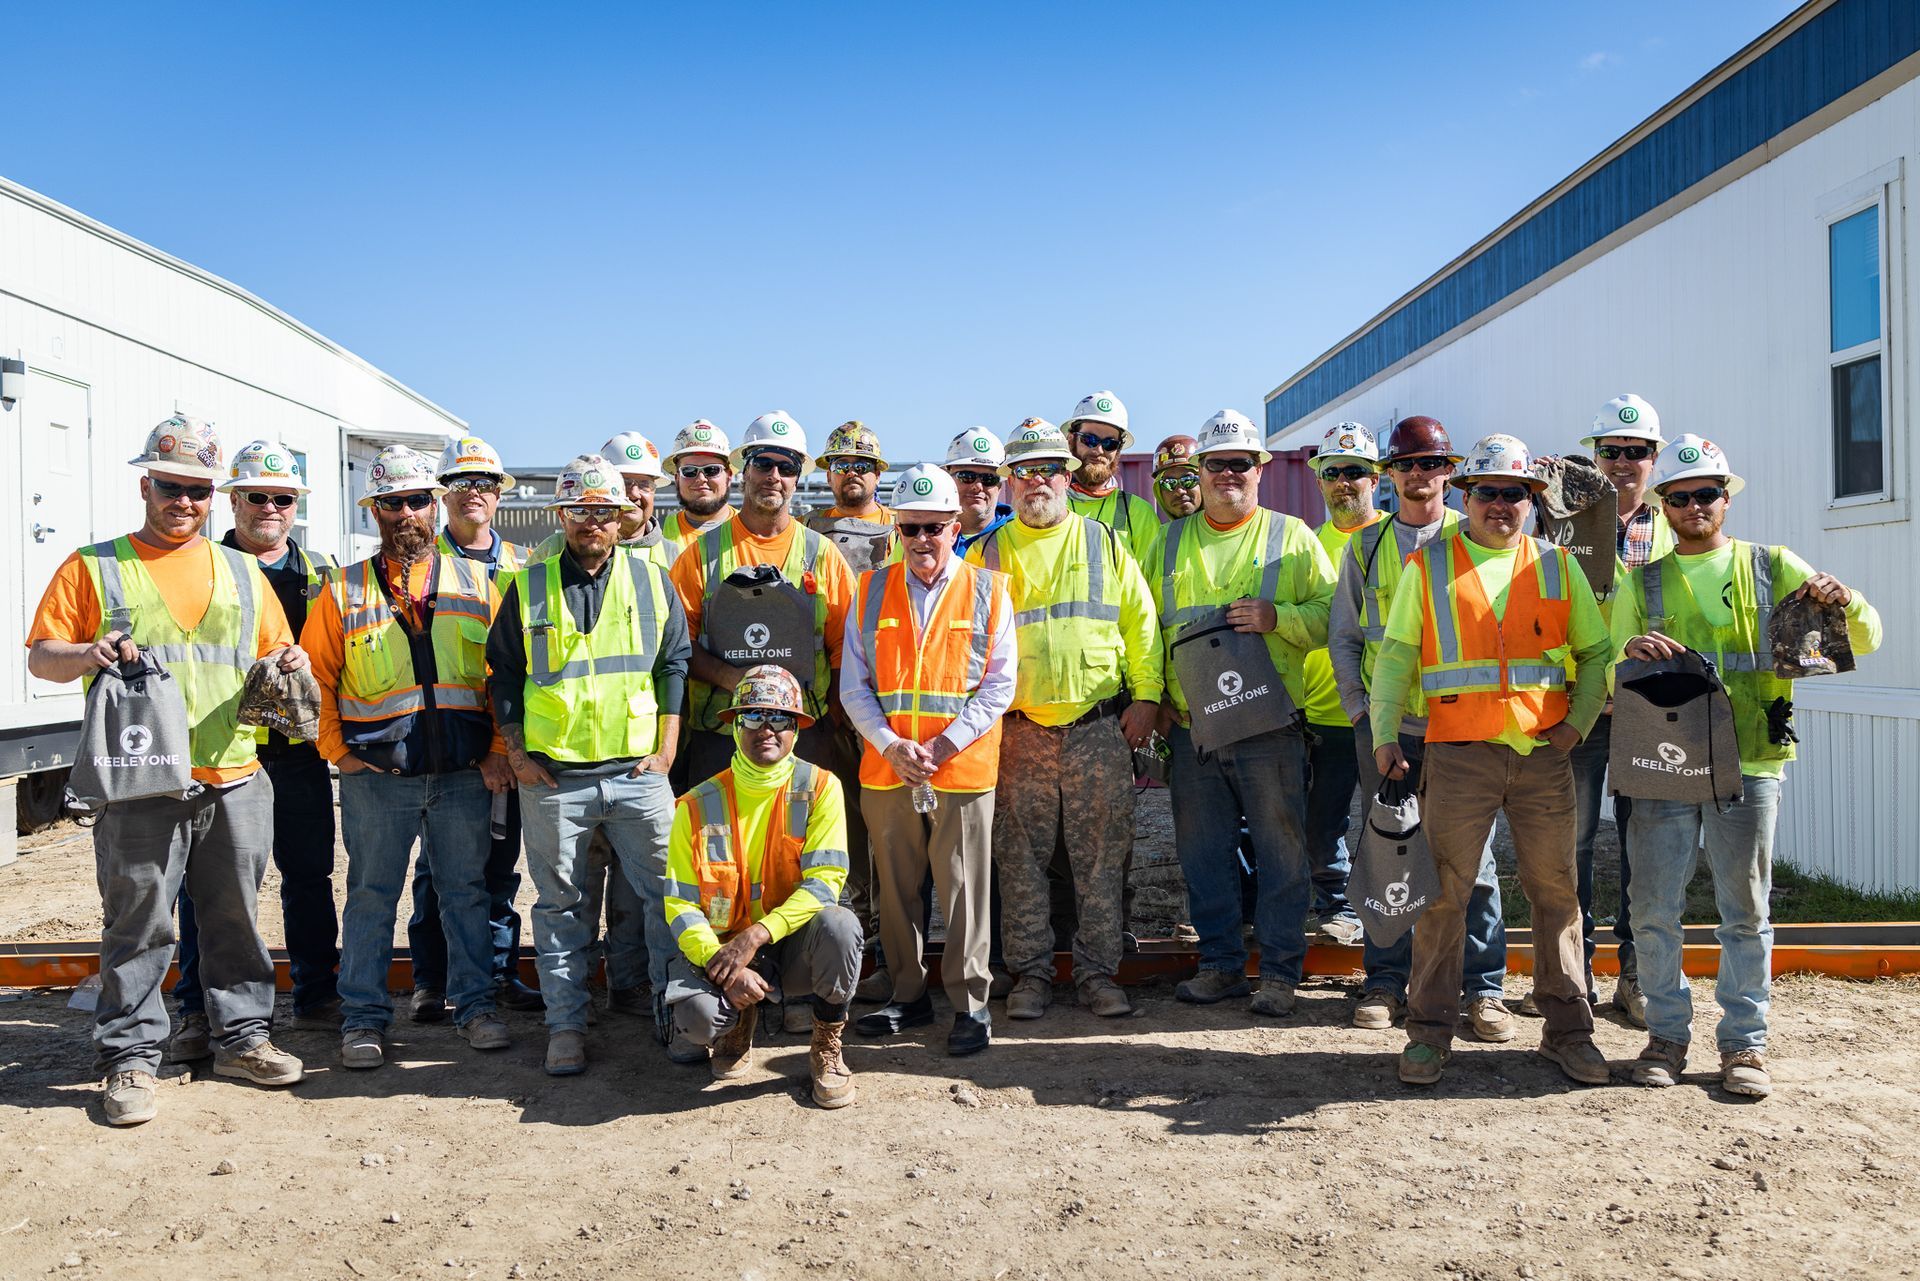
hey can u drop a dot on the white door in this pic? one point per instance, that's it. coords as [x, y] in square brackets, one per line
[56, 492]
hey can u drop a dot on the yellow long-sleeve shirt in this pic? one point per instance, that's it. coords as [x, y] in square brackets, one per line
[1323, 691]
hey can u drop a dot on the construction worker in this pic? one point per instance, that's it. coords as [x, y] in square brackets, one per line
[105, 602]
[856, 523]
[1085, 634]
[1273, 580]
[399, 649]
[1097, 432]
[1714, 594]
[1485, 621]
[637, 461]
[702, 472]
[757, 855]
[1419, 462]
[973, 460]
[587, 664]
[264, 485]
[927, 675]
[473, 477]
[1176, 477]
[1346, 466]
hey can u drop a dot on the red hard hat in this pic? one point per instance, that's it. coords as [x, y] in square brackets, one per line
[1419, 435]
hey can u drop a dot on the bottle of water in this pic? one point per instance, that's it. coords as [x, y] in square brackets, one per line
[925, 799]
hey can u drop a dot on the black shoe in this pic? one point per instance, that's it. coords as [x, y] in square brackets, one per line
[970, 1034]
[511, 994]
[428, 1005]
[893, 1017]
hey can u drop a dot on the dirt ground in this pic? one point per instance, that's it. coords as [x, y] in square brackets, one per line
[1180, 1142]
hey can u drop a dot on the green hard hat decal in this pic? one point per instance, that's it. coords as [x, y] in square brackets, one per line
[1104, 405]
[594, 479]
[1689, 455]
[633, 451]
[982, 445]
[1628, 414]
[274, 463]
[779, 428]
[702, 433]
[923, 486]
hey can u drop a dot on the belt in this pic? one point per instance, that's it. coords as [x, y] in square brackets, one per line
[1099, 711]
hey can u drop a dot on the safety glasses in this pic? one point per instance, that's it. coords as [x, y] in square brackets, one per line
[914, 529]
[1706, 496]
[412, 502]
[1238, 466]
[853, 467]
[984, 479]
[172, 489]
[1353, 472]
[1429, 463]
[1107, 444]
[760, 718]
[1038, 471]
[474, 484]
[1632, 453]
[1186, 480]
[694, 471]
[1508, 494]
[766, 463]
[591, 513]
[256, 498]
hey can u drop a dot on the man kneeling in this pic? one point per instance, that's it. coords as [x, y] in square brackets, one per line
[754, 869]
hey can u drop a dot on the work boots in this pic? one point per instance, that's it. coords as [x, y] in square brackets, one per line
[733, 1048]
[832, 1082]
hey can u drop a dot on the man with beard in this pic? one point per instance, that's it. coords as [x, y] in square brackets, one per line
[399, 645]
[1097, 431]
[106, 603]
[973, 460]
[702, 473]
[1085, 634]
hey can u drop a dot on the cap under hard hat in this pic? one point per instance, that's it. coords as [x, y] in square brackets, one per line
[590, 480]
[183, 446]
[1691, 457]
[926, 488]
[634, 455]
[1418, 435]
[1174, 451]
[976, 447]
[1035, 441]
[776, 430]
[472, 456]
[264, 464]
[399, 470]
[1348, 440]
[852, 439]
[1498, 457]
[1626, 415]
[1231, 431]
[698, 437]
[1101, 407]
[770, 688]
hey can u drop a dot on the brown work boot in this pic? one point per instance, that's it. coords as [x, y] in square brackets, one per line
[1030, 997]
[1579, 1058]
[193, 1042]
[1104, 997]
[1377, 1010]
[131, 1097]
[1745, 1072]
[832, 1082]
[1660, 1063]
[733, 1048]
[1492, 1020]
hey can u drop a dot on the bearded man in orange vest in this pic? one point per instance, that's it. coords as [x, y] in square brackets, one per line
[926, 674]
[1487, 621]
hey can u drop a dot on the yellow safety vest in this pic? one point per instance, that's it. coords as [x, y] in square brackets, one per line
[377, 680]
[1179, 603]
[1377, 553]
[678, 533]
[1076, 622]
[208, 663]
[589, 695]
[803, 554]
[553, 544]
[1133, 519]
[1323, 691]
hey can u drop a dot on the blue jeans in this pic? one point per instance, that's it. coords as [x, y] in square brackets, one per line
[381, 816]
[558, 822]
[1589, 781]
[1740, 855]
[1332, 772]
[1263, 779]
[1390, 968]
[426, 942]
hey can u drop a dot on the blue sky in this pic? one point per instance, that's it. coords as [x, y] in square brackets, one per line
[564, 221]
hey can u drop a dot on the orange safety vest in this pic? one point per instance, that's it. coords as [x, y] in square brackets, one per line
[731, 899]
[925, 678]
[1476, 667]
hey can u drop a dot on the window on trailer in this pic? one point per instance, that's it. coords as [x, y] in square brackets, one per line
[1856, 346]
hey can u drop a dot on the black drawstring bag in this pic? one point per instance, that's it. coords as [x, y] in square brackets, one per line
[1393, 879]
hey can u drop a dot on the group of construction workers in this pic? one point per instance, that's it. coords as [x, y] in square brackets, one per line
[740, 749]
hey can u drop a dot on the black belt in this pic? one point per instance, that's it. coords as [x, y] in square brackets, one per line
[1099, 711]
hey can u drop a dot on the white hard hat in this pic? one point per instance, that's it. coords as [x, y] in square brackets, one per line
[634, 455]
[590, 480]
[1498, 457]
[1691, 457]
[471, 456]
[264, 464]
[925, 488]
[183, 446]
[1231, 431]
[778, 430]
[976, 447]
[399, 470]
[1034, 441]
[1348, 440]
[1101, 407]
[1626, 415]
[698, 437]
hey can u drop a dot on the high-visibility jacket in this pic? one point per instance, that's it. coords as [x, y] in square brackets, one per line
[1133, 519]
[1323, 692]
[319, 569]
[1377, 553]
[209, 663]
[731, 896]
[377, 678]
[679, 533]
[716, 547]
[589, 696]
[1477, 667]
[925, 676]
[553, 544]
[512, 557]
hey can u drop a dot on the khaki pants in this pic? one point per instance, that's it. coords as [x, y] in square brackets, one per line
[955, 842]
[1465, 785]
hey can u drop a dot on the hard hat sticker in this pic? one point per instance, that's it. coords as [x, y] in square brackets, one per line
[1628, 414]
[923, 487]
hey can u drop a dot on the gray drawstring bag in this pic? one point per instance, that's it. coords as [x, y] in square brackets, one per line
[1233, 689]
[133, 739]
[1578, 512]
[864, 543]
[1673, 736]
[1393, 879]
[756, 616]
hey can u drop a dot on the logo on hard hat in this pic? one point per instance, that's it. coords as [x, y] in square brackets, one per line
[1229, 683]
[1346, 442]
[633, 451]
[702, 433]
[1689, 455]
[757, 635]
[923, 486]
[595, 479]
[779, 428]
[1495, 447]
[1673, 753]
[135, 740]
[165, 445]
[1628, 414]
[1032, 433]
[981, 445]
[1103, 405]
[377, 472]
[274, 462]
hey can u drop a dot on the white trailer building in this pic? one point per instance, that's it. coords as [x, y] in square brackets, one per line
[104, 337]
[1739, 259]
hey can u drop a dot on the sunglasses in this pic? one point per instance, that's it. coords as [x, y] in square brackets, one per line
[171, 489]
[1632, 453]
[1424, 464]
[913, 529]
[1109, 444]
[475, 484]
[694, 471]
[1238, 466]
[1706, 496]
[258, 499]
[1038, 471]
[984, 479]
[1353, 472]
[778, 722]
[853, 467]
[591, 513]
[412, 502]
[768, 463]
[1187, 480]
[1500, 493]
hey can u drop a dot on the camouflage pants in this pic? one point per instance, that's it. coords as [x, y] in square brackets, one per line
[1074, 782]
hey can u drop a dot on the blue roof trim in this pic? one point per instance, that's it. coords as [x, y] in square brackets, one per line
[1836, 51]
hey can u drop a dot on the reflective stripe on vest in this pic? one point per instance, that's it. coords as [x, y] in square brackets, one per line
[510, 558]
[1745, 661]
[1510, 669]
[721, 874]
[1456, 674]
[1174, 616]
[1094, 605]
[377, 679]
[589, 696]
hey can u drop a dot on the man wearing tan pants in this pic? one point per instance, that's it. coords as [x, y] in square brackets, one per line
[1487, 620]
[926, 674]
